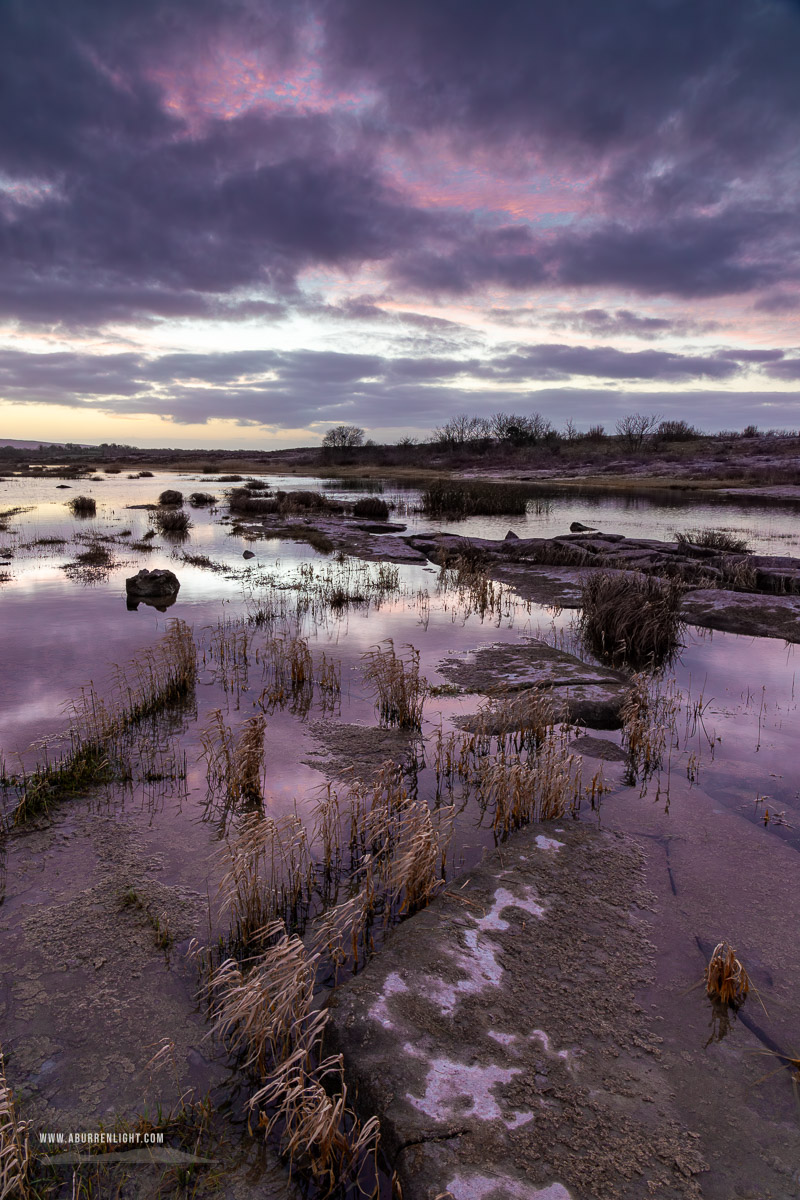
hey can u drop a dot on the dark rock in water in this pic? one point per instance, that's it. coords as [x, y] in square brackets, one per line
[511, 536]
[156, 584]
[59, 486]
[248, 554]
[170, 496]
[576, 527]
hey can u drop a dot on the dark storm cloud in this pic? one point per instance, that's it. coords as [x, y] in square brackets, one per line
[118, 207]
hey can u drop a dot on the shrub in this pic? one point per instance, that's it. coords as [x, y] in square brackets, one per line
[372, 507]
[677, 431]
[633, 619]
[83, 506]
[202, 499]
[170, 496]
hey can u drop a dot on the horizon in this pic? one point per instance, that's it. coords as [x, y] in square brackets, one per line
[235, 226]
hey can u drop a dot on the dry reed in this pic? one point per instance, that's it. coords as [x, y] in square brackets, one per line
[631, 618]
[161, 676]
[15, 1153]
[399, 688]
[82, 506]
[727, 987]
[235, 766]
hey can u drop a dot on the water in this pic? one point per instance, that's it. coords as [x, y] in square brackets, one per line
[731, 748]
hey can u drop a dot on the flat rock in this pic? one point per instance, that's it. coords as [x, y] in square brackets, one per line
[499, 1040]
[588, 694]
[744, 612]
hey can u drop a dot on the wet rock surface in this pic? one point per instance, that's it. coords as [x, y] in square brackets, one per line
[499, 1037]
[744, 612]
[152, 584]
[583, 693]
[553, 570]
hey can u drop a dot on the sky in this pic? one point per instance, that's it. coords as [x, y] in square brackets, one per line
[240, 222]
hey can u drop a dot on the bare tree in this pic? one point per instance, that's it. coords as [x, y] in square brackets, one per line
[340, 436]
[519, 430]
[461, 429]
[634, 428]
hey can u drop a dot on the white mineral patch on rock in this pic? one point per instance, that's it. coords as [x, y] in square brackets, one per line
[455, 1090]
[548, 1049]
[480, 963]
[393, 986]
[546, 843]
[492, 1187]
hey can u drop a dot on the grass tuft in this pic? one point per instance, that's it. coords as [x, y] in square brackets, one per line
[727, 987]
[712, 539]
[631, 619]
[399, 688]
[82, 506]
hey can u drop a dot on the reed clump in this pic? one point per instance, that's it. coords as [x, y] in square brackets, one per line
[399, 688]
[202, 499]
[712, 539]
[632, 619]
[457, 499]
[371, 507]
[514, 760]
[171, 497]
[82, 506]
[648, 715]
[266, 1015]
[727, 988]
[235, 765]
[171, 521]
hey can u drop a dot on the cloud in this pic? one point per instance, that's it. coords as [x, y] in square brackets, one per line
[303, 388]
[142, 180]
[623, 322]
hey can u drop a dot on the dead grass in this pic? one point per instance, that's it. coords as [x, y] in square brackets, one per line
[171, 521]
[159, 677]
[712, 539]
[371, 507]
[399, 688]
[727, 988]
[630, 618]
[15, 1151]
[384, 850]
[514, 760]
[82, 506]
[235, 765]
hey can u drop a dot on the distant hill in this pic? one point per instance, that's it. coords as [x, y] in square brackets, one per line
[34, 444]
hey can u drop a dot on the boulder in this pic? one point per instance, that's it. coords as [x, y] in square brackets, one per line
[576, 527]
[511, 536]
[248, 554]
[152, 584]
